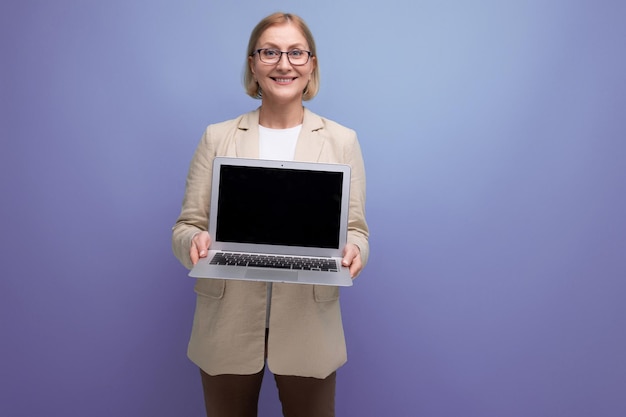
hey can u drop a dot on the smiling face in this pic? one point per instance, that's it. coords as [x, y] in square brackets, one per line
[282, 83]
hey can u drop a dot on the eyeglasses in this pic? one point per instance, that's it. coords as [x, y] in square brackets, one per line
[273, 56]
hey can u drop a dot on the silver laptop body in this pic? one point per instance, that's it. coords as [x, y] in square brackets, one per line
[277, 221]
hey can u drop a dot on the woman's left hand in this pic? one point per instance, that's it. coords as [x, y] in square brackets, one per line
[352, 259]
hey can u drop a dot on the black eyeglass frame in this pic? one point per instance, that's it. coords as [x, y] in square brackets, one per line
[258, 52]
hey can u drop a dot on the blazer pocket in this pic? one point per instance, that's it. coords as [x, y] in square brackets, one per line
[209, 287]
[325, 293]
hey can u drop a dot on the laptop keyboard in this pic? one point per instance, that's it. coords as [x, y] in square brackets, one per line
[274, 261]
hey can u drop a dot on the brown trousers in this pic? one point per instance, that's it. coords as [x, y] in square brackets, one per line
[238, 395]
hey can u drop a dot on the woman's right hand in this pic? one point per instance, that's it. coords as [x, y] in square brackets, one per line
[199, 246]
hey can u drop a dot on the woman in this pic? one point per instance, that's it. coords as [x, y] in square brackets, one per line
[233, 333]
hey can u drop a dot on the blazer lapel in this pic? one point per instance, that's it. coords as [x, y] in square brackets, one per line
[247, 136]
[310, 141]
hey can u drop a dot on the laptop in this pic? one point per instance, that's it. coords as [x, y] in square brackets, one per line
[277, 221]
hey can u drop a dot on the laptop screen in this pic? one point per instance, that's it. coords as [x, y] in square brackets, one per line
[278, 206]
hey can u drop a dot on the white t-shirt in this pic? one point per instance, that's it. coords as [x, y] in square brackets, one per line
[278, 144]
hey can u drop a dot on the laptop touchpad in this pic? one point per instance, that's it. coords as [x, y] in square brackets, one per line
[271, 274]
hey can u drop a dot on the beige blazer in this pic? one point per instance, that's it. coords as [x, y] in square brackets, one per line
[306, 335]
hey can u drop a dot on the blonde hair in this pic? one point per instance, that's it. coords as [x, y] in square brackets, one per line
[251, 86]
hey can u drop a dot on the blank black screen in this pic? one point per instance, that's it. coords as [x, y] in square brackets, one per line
[278, 206]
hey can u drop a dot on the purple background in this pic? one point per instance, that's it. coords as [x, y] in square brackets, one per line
[494, 138]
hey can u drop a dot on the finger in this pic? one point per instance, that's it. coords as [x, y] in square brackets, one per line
[193, 253]
[204, 240]
[349, 256]
[352, 259]
[199, 247]
[356, 266]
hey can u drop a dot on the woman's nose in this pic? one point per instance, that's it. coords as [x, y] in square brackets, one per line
[283, 61]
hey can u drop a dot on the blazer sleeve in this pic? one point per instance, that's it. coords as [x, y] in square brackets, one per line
[194, 215]
[358, 231]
